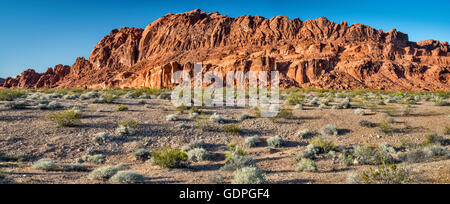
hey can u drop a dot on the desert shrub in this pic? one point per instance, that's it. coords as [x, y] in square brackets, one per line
[432, 139]
[68, 118]
[407, 110]
[385, 174]
[141, 155]
[385, 125]
[237, 161]
[344, 104]
[204, 123]
[16, 105]
[127, 127]
[232, 129]
[45, 164]
[169, 158]
[122, 108]
[74, 168]
[284, 113]
[306, 165]
[182, 108]
[249, 175]
[310, 152]
[441, 102]
[303, 134]
[122, 167]
[447, 130]
[216, 118]
[197, 154]
[294, 99]
[253, 141]
[366, 123]
[54, 105]
[329, 130]
[10, 95]
[127, 177]
[172, 117]
[89, 95]
[322, 145]
[275, 141]
[346, 159]
[354, 178]
[216, 179]
[96, 159]
[103, 173]
[322, 106]
[364, 154]
[70, 97]
[14, 157]
[360, 111]
[193, 145]
[101, 138]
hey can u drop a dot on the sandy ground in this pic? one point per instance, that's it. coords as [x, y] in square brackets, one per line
[25, 131]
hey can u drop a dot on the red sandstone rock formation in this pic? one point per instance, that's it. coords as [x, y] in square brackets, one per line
[314, 54]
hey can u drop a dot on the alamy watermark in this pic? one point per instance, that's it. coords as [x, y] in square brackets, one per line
[249, 89]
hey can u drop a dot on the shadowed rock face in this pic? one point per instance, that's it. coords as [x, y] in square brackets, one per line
[310, 54]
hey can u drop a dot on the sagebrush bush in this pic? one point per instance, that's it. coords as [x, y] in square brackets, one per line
[366, 123]
[103, 173]
[141, 155]
[16, 105]
[193, 145]
[197, 154]
[253, 141]
[96, 159]
[74, 167]
[101, 138]
[127, 127]
[275, 141]
[303, 134]
[249, 175]
[170, 158]
[329, 130]
[322, 145]
[68, 118]
[45, 164]
[307, 165]
[127, 177]
[237, 161]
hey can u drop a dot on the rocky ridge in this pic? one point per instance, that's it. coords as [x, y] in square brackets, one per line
[309, 54]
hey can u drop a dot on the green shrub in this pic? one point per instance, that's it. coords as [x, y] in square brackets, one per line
[103, 173]
[323, 146]
[45, 164]
[10, 94]
[14, 157]
[127, 127]
[306, 165]
[249, 175]
[122, 108]
[16, 105]
[127, 177]
[366, 123]
[232, 129]
[385, 174]
[69, 118]
[170, 158]
[284, 113]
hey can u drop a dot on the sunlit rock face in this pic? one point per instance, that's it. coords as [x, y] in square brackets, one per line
[310, 54]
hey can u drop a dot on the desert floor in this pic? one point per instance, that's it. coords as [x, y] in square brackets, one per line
[26, 131]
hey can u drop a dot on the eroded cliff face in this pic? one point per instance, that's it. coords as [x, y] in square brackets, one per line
[314, 54]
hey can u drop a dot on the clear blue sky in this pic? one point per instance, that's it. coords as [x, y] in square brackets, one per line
[42, 33]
